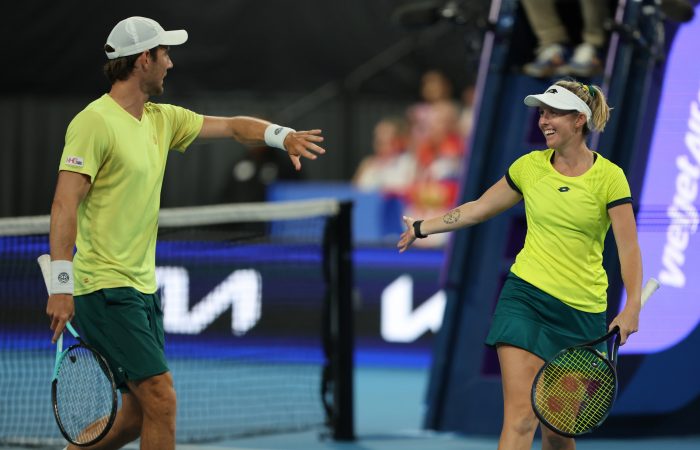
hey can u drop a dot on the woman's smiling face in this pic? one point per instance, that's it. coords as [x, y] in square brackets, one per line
[560, 127]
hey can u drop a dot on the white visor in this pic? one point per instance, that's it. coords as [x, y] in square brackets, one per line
[137, 34]
[562, 99]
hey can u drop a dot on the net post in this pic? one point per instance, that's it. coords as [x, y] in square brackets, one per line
[340, 332]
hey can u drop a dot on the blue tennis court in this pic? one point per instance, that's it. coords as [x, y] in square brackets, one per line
[388, 416]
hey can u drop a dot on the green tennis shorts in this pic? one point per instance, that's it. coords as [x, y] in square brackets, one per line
[531, 319]
[126, 327]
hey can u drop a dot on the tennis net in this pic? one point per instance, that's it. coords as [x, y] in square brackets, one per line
[257, 314]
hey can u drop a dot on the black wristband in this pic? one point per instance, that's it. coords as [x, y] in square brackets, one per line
[416, 230]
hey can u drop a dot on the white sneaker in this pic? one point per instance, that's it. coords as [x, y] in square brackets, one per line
[547, 61]
[585, 62]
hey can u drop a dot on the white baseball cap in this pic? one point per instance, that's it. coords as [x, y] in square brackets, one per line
[137, 34]
[562, 99]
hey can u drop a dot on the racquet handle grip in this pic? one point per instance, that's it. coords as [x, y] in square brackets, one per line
[649, 288]
[45, 265]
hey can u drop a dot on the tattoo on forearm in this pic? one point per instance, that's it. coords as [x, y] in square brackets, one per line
[451, 217]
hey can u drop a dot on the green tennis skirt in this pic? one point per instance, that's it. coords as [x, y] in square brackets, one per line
[531, 319]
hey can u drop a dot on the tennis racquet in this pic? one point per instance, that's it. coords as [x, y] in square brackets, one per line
[574, 392]
[83, 392]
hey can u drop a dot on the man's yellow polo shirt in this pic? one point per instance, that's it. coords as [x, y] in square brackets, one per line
[125, 159]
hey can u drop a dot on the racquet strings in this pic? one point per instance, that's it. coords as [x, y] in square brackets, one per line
[575, 391]
[84, 395]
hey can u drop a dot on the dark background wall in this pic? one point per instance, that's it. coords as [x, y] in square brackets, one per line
[334, 65]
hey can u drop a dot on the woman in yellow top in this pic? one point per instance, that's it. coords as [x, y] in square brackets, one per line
[555, 293]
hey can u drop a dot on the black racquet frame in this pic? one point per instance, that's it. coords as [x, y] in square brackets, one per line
[60, 355]
[610, 362]
[45, 265]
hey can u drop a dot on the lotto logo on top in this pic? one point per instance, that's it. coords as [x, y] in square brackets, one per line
[74, 161]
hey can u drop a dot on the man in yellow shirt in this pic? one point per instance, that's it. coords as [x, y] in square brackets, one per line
[106, 204]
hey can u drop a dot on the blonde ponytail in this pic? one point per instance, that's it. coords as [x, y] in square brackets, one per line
[594, 98]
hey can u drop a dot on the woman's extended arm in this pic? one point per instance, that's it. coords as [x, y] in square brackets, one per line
[494, 201]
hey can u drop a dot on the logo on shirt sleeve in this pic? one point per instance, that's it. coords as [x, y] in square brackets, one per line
[74, 161]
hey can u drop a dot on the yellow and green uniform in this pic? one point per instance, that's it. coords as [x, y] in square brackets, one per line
[567, 220]
[117, 308]
[555, 294]
[125, 159]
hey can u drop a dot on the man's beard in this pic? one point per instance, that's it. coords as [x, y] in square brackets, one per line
[154, 88]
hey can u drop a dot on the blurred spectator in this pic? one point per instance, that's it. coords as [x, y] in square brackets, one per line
[389, 169]
[435, 87]
[439, 157]
[437, 145]
[255, 171]
[552, 54]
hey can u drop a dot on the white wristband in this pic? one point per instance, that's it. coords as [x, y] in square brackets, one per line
[275, 134]
[61, 277]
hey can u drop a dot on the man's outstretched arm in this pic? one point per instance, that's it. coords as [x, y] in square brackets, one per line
[251, 131]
